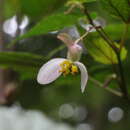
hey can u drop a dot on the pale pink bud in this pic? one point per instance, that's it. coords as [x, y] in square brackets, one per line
[74, 52]
[66, 39]
[74, 49]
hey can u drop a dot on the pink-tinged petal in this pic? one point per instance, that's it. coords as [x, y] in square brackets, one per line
[50, 71]
[84, 75]
[66, 39]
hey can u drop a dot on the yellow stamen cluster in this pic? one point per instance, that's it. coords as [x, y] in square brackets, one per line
[74, 69]
[68, 67]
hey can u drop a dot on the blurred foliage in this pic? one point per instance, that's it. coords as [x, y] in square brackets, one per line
[32, 8]
[28, 52]
[119, 8]
[25, 63]
[60, 20]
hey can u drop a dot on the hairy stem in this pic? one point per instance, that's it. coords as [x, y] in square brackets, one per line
[100, 31]
[124, 36]
[122, 83]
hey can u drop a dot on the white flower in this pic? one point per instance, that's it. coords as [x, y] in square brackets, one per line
[10, 26]
[54, 68]
[51, 70]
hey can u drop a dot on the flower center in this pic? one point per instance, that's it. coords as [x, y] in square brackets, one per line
[68, 67]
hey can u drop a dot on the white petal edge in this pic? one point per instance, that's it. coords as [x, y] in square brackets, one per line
[84, 75]
[49, 71]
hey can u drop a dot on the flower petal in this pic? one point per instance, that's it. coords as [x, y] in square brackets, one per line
[49, 71]
[66, 39]
[10, 26]
[84, 75]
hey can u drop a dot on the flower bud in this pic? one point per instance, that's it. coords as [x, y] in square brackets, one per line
[74, 52]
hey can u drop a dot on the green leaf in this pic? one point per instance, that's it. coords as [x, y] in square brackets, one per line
[119, 8]
[25, 63]
[103, 53]
[82, 1]
[35, 8]
[42, 7]
[115, 31]
[8, 10]
[52, 23]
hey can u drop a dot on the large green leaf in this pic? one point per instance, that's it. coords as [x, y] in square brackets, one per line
[25, 63]
[115, 31]
[82, 1]
[103, 53]
[119, 8]
[34, 8]
[52, 23]
[40, 6]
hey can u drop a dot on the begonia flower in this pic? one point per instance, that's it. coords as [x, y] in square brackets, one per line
[55, 67]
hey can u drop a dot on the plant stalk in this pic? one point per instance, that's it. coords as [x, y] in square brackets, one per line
[99, 84]
[102, 33]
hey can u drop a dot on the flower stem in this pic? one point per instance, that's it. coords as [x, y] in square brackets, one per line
[122, 82]
[102, 33]
[124, 36]
[81, 38]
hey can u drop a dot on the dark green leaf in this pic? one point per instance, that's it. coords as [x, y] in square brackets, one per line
[35, 8]
[25, 63]
[52, 23]
[119, 8]
[82, 1]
